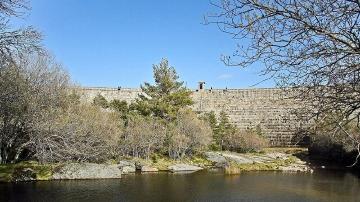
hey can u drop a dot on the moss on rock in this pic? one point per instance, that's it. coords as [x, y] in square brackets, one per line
[42, 171]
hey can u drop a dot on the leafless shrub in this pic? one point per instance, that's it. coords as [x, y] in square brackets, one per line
[82, 133]
[143, 136]
[188, 135]
[244, 141]
[334, 135]
[28, 89]
[40, 118]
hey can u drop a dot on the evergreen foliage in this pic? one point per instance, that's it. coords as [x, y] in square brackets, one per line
[120, 107]
[101, 101]
[227, 136]
[164, 98]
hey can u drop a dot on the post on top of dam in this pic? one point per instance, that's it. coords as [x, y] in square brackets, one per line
[201, 86]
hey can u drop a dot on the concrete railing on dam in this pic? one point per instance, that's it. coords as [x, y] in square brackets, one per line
[269, 108]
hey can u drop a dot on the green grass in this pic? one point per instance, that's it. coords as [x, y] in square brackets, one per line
[43, 171]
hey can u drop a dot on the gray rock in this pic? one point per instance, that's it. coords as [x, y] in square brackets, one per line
[238, 158]
[23, 175]
[215, 157]
[126, 163]
[225, 164]
[260, 159]
[87, 171]
[183, 167]
[146, 168]
[277, 155]
[127, 167]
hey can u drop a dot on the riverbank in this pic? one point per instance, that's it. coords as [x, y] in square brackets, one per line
[271, 159]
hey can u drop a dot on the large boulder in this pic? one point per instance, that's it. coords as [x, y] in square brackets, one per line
[183, 168]
[127, 167]
[87, 171]
[238, 158]
[217, 159]
[145, 167]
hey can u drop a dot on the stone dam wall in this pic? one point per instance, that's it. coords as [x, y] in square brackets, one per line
[269, 108]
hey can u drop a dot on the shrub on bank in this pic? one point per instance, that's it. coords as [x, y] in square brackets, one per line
[188, 135]
[336, 139]
[227, 136]
[29, 89]
[142, 137]
[244, 141]
[81, 133]
[101, 101]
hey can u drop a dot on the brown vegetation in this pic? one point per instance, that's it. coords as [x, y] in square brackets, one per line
[142, 137]
[29, 90]
[81, 133]
[245, 141]
[188, 135]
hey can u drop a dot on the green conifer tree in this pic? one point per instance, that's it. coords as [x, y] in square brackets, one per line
[223, 128]
[164, 98]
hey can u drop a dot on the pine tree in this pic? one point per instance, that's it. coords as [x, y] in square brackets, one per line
[164, 98]
[101, 101]
[210, 117]
[121, 107]
[223, 129]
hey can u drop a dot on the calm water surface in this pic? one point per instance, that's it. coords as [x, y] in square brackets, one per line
[201, 186]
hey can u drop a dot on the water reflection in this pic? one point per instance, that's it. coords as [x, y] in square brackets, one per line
[200, 186]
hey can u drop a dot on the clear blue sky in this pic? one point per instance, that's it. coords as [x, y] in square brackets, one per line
[115, 42]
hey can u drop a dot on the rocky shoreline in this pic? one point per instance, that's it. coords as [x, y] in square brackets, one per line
[230, 162]
[274, 161]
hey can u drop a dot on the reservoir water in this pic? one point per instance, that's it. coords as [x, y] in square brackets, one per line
[200, 186]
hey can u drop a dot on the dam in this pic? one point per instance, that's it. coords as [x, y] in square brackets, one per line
[271, 109]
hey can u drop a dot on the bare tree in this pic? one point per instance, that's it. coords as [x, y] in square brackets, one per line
[79, 132]
[28, 90]
[188, 135]
[16, 42]
[310, 45]
[40, 118]
[13, 7]
[143, 136]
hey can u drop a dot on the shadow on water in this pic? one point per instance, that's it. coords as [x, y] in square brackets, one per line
[199, 186]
